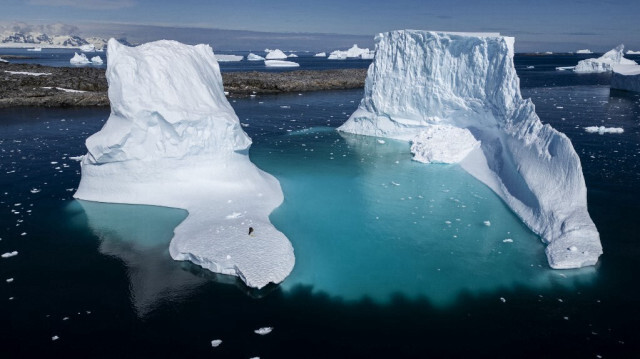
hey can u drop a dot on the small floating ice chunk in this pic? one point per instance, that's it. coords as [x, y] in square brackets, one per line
[10, 254]
[503, 300]
[487, 223]
[55, 337]
[263, 330]
[381, 142]
[395, 183]
[215, 343]
[9, 280]
[34, 190]
[508, 240]
[602, 130]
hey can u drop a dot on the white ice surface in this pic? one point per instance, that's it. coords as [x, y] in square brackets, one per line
[254, 57]
[79, 59]
[275, 55]
[173, 140]
[420, 79]
[564, 68]
[88, 48]
[228, 58]
[585, 51]
[263, 330]
[216, 343]
[96, 60]
[602, 130]
[604, 62]
[631, 52]
[292, 55]
[443, 144]
[625, 77]
[280, 63]
[320, 54]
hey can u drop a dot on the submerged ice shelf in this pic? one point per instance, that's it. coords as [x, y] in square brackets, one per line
[467, 82]
[173, 140]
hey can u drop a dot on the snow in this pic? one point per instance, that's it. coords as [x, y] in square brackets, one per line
[88, 48]
[175, 141]
[602, 130]
[422, 79]
[280, 63]
[96, 60]
[625, 77]
[63, 89]
[604, 62]
[254, 57]
[320, 54]
[443, 144]
[229, 58]
[79, 59]
[276, 55]
[29, 73]
[263, 330]
[585, 51]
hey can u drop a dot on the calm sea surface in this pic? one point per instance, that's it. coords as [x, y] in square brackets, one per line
[393, 256]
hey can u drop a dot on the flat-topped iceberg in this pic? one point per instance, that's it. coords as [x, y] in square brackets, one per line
[280, 63]
[79, 59]
[173, 140]
[456, 97]
[625, 77]
[631, 52]
[604, 62]
[584, 51]
[229, 58]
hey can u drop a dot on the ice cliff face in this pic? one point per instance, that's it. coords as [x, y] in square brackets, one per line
[604, 62]
[437, 88]
[625, 77]
[173, 140]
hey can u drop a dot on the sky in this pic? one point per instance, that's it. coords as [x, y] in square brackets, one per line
[538, 25]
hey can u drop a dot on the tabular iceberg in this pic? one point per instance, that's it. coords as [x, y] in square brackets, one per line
[431, 85]
[625, 77]
[604, 62]
[173, 140]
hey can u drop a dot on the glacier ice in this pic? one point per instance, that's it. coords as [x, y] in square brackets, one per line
[604, 62]
[625, 77]
[422, 79]
[79, 59]
[173, 140]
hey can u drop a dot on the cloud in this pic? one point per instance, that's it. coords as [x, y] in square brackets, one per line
[86, 4]
[49, 29]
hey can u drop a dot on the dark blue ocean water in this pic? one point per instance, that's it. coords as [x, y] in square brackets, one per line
[99, 276]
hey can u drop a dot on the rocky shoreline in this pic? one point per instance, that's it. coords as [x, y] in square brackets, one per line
[86, 86]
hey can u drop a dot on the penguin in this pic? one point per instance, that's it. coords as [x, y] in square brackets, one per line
[250, 230]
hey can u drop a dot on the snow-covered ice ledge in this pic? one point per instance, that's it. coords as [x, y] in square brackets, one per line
[428, 86]
[173, 140]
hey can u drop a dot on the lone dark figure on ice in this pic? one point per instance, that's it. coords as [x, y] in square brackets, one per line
[250, 230]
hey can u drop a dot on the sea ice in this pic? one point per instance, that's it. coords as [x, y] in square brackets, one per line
[275, 55]
[625, 77]
[604, 62]
[422, 79]
[79, 59]
[280, 63]
[602, 130]
[175, 141]
[254, 57]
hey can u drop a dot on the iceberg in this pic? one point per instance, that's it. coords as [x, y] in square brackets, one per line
[229, 58]
[625, 77]
[1, 60]
[601, 130]
[276, 55]
[320, 54]
[36, 49]
[88, 48]
[631, 52]
[175, 141]
[280, 63]
[292, 55]
[585, 51]
[79, 59]
[432, 88]
[353, 52]
[604, 62]
[337, 55]
[96, 60]
[254, 57]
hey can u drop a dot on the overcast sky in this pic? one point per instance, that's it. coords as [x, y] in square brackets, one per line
[537, 25]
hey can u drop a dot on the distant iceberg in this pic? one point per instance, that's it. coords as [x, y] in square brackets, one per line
[175, 141]
[96, 60]
[602, 130]
[353, 52]
[88, 48]
[1, 60]
[585, 51]
[37, 49]
[337, 55]
[275, 55]
[631, 52]
[280, 63]
[292, 55]
[320, 54]
[456, 98]
[79, 59]
[228, 58]
[254, 57]
[604, 62]
[625, 77]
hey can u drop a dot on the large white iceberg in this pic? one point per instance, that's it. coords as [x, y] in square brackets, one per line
[275, 55]
[173, 140]
[625, 77]
[464, 87]
[604, 62]
[79, 59]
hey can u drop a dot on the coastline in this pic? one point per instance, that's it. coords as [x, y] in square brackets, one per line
[46, 86]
